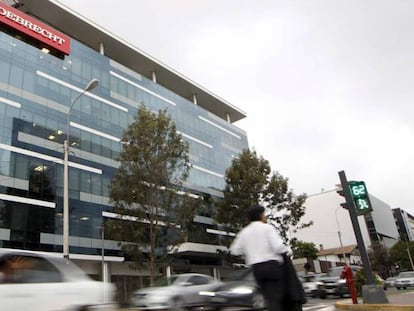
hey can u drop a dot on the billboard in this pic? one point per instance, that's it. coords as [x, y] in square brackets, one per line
[33, 28]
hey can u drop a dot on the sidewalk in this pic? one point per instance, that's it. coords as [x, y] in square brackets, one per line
[397, 302]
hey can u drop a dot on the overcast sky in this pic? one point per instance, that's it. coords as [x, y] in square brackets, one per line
[326, 85]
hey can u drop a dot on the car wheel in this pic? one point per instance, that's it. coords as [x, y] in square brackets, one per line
[258, 302]
[177, 304]
[398, 288]
[322, 296]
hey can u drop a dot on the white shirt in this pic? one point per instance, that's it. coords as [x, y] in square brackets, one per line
[258, 242]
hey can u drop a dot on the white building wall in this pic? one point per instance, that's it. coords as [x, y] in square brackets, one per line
[329, 218]
[409, 224]
[384, 221]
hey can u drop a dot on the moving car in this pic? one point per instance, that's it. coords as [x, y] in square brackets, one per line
[40, 281]
[242, 292]
[389, 282]
[333, 284]
[404, 280]
[174, 292]
[310, 283]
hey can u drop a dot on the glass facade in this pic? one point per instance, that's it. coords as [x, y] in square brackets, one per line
[36, 91]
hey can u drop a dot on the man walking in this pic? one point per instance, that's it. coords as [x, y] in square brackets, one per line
[262, 248]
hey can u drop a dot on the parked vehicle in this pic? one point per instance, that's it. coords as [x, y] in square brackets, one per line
[242, 292]
[404, 280]
[310, 283]
[389, 282]
[39, 282]
[174, 292]
[333, 284]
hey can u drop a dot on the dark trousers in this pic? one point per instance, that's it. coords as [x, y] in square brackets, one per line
[270, 277]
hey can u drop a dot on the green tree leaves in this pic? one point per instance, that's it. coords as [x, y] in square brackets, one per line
[303, 249]
[147, 190]
[249, 181]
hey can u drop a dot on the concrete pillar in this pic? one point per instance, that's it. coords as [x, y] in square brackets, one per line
[101, 49]
[168, 271]
[216, 273]
[154, 77]
[195, 99]
[106, 272]
[228, 117]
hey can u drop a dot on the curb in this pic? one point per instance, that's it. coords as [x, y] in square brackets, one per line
[376, 307]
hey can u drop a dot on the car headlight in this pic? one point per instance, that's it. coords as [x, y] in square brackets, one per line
[342, 281]
[319, 283]
[206, 293]
[243, 290]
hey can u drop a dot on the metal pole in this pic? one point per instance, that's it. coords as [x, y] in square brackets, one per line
[91, 85]
[66, 200]
[103, 253]
[357, 229]
[409, 255]
[340, 235]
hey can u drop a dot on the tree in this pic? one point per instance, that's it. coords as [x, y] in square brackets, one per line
[245, 181]
[379, 259]
[249, 181]
[303, 249]
[285, 208]
[147, 192]
[399, 254]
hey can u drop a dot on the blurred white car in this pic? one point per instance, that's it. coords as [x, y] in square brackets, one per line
[389, 282]
[404, 280]
[41, 282]
[310, 283]
[175, 292]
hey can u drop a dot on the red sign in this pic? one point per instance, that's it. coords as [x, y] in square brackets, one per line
[34, 28]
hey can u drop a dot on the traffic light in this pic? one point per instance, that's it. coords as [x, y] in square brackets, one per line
[342, 194]
[360, 196]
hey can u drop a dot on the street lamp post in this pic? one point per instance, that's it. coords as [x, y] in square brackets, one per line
[91, 85]
[340, 235]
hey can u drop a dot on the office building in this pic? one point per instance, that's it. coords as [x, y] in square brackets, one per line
[405, 224]
[48, 54]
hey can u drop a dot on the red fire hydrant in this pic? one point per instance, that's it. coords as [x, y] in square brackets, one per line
[348, 276]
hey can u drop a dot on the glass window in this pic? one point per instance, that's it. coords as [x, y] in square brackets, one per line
[17, 268]
[86, 143]
[86, 182]
[74, 183]
[96, 144]
[5, 162]
[5, 70]
[21, 167]
[42, 180]
[96, 184]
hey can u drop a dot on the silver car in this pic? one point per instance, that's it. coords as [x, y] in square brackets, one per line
[175, 292]
[389, 282]
[404, 280]
[40, 282]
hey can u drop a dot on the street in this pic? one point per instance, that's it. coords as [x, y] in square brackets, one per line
[315, 304]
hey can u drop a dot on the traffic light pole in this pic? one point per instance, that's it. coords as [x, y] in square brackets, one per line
[357, 228]
[373, 293]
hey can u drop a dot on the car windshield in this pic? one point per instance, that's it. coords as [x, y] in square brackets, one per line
[406, 274]
[166, 281]
[310, 277]
[71, 271]
[335, 272]
[242, 275]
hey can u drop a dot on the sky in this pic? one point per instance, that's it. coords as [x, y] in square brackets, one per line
[327, 85]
